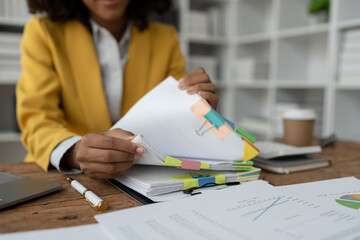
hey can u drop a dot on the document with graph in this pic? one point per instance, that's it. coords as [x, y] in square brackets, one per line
[342, 194]
[249, 211]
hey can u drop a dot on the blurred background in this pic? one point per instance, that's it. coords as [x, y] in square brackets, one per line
[265, 56]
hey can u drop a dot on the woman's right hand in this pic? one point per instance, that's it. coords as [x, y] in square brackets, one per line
[104, 155]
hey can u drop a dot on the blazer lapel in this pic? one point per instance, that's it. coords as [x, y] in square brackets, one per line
[137, 68]
[87, 76]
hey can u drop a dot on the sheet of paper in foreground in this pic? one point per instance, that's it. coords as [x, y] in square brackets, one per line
[163, 116]
[88, 232]
[249, 211]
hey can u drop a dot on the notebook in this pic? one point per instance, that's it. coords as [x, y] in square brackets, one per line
[269, 150]
[186, 129]
[285, 165]
[16, 189]
[283, 158]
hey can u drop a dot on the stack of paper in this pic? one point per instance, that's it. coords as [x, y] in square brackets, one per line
[153, 180]
[10, 67]
[182, 131]
[349, 70]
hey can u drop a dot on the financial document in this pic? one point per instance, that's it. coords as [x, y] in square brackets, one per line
[249, 211]
[342, 194]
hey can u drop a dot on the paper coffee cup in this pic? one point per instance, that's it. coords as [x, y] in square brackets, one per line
[299, 126]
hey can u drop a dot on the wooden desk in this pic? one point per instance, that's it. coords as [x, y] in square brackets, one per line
[69, 208]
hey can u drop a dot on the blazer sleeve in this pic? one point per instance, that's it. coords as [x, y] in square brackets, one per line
[39, 112]
[177, 60]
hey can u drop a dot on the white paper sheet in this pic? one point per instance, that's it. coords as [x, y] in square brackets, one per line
[85, 232]
[249, 211]
[163, 116]
[335, 193]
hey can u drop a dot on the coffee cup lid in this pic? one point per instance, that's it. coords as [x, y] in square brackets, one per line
[300, 114]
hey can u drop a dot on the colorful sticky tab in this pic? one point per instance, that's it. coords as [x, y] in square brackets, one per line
[245, 134]
[248, 163]
[190, 164]
[250, 151]
[219, 128]
[170, 161]
[231, 124]
[204, 165]
[214, 118]
[205, 180]
[199, 180]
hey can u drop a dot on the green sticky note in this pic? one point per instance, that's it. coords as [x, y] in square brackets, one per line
[246, 135]
[248, 163]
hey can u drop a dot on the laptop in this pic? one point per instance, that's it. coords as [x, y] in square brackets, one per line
[16, 189]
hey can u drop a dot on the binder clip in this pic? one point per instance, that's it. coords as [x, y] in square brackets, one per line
[210, 119]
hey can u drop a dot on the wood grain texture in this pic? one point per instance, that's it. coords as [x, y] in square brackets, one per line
[68, 208]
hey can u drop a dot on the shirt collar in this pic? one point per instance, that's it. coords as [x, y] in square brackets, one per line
[97, 29]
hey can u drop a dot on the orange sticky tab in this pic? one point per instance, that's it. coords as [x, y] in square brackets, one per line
[200, 109]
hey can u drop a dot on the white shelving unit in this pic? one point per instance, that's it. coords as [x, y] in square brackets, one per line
[13, 17]
[302, 58]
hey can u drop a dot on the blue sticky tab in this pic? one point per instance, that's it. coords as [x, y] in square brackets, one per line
[231, 124]
[214, 118]
[204, 180]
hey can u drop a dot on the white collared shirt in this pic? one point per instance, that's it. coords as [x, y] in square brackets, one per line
[112, 58]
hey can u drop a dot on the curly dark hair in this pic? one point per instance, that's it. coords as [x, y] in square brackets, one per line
[63, 10]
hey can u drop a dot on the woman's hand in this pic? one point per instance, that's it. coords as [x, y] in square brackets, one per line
[104, 155]
[199, 82]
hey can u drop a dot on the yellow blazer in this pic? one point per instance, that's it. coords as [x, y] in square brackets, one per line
[60, 92]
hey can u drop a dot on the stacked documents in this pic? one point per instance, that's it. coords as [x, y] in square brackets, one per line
[153, 180]
[184, 138]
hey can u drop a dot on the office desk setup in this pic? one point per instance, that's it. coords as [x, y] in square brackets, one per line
[68, 208]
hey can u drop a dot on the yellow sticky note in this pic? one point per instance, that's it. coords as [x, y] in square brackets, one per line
[220, 179]
[249, 151]
[170, 161]
[204, 165]
[189, 182]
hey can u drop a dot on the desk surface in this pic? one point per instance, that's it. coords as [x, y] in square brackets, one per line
[68, 208]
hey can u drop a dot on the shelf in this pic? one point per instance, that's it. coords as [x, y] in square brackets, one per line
[10, 137]
[15, 22]
[209, 40]
[300, 84]
[253, 38]
[348, 86]
[348, 24]
[8, 80]
[255, 84]
[303, 31]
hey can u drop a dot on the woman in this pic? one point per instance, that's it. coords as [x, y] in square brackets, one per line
[85, 63]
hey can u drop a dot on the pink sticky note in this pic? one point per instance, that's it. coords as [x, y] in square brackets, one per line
[190, 164]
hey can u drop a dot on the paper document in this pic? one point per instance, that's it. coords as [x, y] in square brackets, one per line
[86, 232]
[153, 180]
[342, 194]
[249, 211]
[168, 119]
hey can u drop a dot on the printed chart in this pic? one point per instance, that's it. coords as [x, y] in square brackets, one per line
[350, 201]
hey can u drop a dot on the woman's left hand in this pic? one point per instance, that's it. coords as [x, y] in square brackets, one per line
[199, 82]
